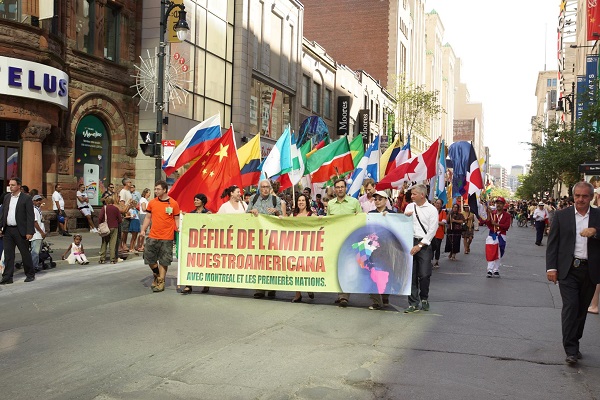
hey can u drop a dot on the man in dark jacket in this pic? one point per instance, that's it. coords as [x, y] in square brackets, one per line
[16, 227]
[573, 259]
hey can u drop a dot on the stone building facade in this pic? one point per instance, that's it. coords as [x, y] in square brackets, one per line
[66, 109]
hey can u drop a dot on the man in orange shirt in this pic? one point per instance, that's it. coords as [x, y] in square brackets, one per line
[163, 213]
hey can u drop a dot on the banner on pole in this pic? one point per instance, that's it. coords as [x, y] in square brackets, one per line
[372, 255]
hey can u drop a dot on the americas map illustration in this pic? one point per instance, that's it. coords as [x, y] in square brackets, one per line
[364, 249]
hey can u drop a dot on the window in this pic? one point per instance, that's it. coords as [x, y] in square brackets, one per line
[305, 91]
[111, 33]
[316, 98]
[377, 112]
[84, 25]
[327, 103]
[10, 9]
[554, 82]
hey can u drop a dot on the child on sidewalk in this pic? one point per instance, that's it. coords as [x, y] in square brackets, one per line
[134, 224]
[77, 254]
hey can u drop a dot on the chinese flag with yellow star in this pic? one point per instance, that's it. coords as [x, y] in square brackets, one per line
[214, 171]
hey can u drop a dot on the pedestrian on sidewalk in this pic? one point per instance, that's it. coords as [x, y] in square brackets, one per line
[498, 222]
[125, 198]
[58, 205]
[573, 259]
[76, 252]
[425, 224]
[17, 228]
[142, 214]
[112, 216]
[134, 224]
[163, 213]
[84, 207]
[39, 235]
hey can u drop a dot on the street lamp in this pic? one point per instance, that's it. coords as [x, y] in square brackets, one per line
[181, 28]
[570, 98]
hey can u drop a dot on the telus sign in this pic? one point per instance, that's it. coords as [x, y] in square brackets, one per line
[23, 78]
[343, 115]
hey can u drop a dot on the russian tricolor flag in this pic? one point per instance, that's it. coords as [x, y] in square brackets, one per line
[196, 142]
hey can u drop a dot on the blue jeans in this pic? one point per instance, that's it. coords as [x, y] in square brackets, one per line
[421, 275]
[36, 245]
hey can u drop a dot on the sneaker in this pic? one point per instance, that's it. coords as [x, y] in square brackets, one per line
[410, 309]
[375, 306]
[425, 305]
[497, 274]
[489, 274]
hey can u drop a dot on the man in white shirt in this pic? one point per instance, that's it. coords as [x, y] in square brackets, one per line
[540, 215]
[124, 200]
[40, 232]
[58, 205]
[425, 224]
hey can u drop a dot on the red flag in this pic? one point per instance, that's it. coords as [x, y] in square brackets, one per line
[593, 20]
[216, 170]
[416, 169]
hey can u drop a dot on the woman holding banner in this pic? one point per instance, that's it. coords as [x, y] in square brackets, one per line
[200, 201]
[302, 210]
[235, 205]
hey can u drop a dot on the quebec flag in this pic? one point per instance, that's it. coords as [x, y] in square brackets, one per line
[368, 167]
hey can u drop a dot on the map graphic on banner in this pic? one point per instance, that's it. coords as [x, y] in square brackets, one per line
[364, 253]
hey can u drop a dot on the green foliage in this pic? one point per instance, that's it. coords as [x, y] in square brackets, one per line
[556, 161]
[499, 192]
[416, 107]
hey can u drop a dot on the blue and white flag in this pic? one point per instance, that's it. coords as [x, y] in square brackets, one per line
[279, 160]
[440, 187]
[368, 167]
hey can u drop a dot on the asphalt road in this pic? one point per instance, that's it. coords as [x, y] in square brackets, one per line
[98, 332]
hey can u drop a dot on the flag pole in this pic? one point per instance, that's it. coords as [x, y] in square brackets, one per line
[293, 184]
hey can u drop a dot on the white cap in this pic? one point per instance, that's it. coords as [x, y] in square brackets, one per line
[381, 193]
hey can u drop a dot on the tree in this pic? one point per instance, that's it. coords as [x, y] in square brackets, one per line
[416, 108]
[499, 192]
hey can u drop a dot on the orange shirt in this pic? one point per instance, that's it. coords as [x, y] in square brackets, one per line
[163, 223]
[439, 234]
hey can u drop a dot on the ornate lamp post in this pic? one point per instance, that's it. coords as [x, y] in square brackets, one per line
[181, 28]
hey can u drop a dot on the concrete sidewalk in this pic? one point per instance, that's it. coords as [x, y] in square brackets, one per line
[91, 245]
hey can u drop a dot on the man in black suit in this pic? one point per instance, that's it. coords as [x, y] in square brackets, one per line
[16, 227]
[573, 259]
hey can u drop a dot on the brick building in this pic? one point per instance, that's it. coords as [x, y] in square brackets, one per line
[66, 109]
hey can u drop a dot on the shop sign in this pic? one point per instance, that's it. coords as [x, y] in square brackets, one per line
[92, 157]
[343, 115]
[35, 81]
[364, 125]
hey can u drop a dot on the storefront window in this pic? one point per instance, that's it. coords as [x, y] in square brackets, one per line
[92, 156]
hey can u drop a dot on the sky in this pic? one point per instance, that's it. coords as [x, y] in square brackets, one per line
[501, 47]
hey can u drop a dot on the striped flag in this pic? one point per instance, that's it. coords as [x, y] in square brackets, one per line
[249, 159]
[279, 160]
[195, 144]
[333, 159]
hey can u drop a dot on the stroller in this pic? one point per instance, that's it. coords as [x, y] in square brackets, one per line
[45, 257]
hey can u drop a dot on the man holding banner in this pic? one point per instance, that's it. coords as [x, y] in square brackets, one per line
[342, 204]
[425, 224]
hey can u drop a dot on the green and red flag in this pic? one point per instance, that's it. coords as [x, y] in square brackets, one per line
[333, 159]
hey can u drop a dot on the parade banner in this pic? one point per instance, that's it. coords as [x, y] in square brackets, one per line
[364, 253]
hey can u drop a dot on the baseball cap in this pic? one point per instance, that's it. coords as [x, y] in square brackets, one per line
[381, 193]
[37, 197]
[500, 200]
[541, 203]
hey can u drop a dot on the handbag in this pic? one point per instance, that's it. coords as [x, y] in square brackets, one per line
[103, 229]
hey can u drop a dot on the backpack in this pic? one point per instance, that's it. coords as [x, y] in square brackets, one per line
[255, 199]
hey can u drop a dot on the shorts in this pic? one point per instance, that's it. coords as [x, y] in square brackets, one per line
[158, 250]
[86, 211]
[125, 225]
